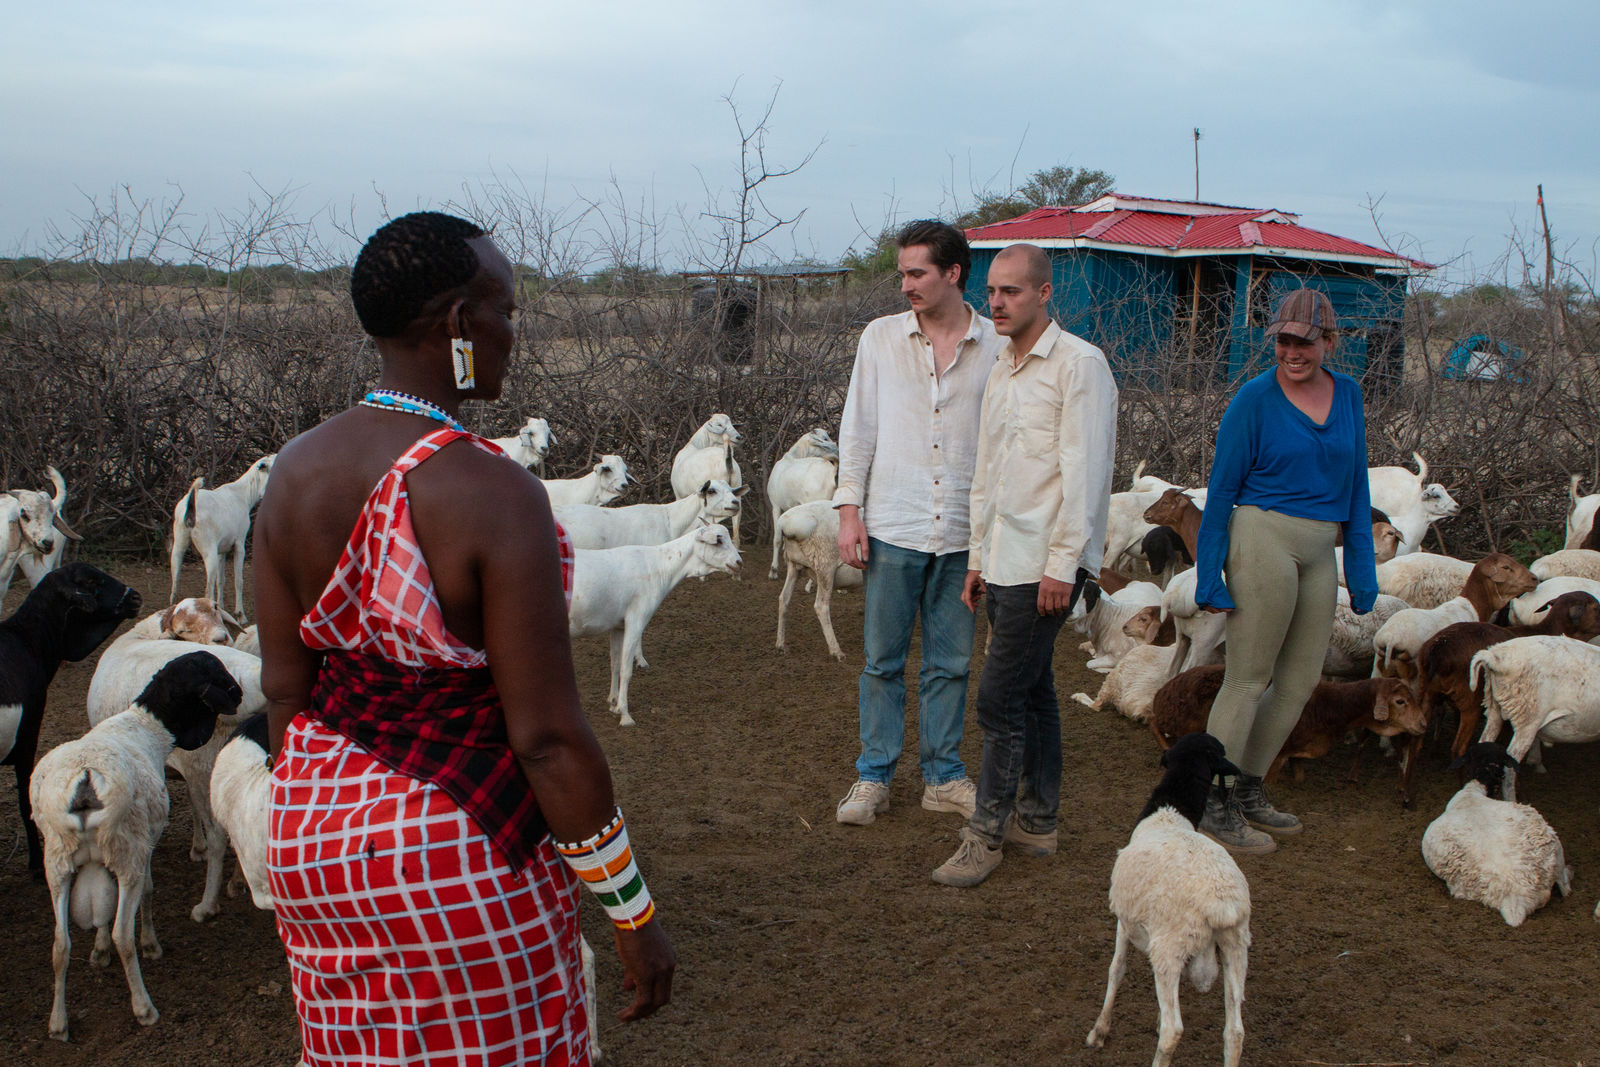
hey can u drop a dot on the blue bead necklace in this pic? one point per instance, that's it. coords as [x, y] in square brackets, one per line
[394, 400]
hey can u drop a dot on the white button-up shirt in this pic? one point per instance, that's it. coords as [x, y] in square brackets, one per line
[1042, 488]
[909, 438]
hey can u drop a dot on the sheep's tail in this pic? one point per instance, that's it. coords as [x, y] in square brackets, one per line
[1572, 489]
[189, 499]
[1422, 467]
[727, 461]
[1138, 472]
[1202, 968]
[1477, 669]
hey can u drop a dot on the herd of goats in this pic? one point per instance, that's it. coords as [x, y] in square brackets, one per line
[1491, 641]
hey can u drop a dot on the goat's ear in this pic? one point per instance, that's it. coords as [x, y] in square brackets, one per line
[706, 488]
[741, 491]
[61, 524]
[166, 619]
[1225, 766]
[229, 620]
[1458, 763]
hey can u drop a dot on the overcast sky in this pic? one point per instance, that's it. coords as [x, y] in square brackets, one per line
[1448, 114]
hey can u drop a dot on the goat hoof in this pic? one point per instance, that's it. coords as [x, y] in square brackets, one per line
[625, 720]
[100, 958]
[59, 1035]
[150, 950]
[202, 912]
[147, 1018]
[197, 854]
[838, 656]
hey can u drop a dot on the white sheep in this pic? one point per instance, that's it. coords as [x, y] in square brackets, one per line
[1528, 608]
[1568, 563]
[1580, 520]
[1545, 687]
[603, 484]
[35, 565]
[1182, 900]
[100, 803]
[616, 591]
[217, 521]
[1103, 622]
[1132, 684]
[530, 444]
[648, 524]
[1350, 645]
[241, 796]
[1424, 579]
[1499, 853]
[809, 535]
[126, 666]
[1411, 502]
[1494, 580]
[808, 471]
[708, 456]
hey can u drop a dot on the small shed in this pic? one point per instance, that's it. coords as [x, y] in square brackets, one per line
[1159, 283]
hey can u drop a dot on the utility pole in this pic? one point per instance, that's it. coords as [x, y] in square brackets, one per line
[1197, 163]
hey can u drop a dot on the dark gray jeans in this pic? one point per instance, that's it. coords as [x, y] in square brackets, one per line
[1019, 715]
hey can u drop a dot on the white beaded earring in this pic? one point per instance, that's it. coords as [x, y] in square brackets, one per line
[461, 360]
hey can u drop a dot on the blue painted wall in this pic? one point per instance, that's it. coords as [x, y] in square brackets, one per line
[1129, 305]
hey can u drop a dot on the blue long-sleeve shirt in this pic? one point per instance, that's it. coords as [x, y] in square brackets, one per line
[1270, 454]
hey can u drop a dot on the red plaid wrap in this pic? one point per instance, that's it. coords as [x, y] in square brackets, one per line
[426, 914]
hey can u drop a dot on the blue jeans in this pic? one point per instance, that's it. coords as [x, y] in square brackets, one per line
[1019, 715]
[900, 583]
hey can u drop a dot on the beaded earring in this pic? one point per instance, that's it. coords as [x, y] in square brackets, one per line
[461, 361]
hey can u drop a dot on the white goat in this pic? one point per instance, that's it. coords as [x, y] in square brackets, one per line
[808, 471]
[1103, 623]
[1410, 500]
[1499, 853]
[530, 445]
[241, 795]
[616, 591]
[1200, 632]
[809, 534]
[126, 666]
[100, 803]
[34, 565]
[648, 524]
[603, 484]
[1131, 686]
[1182, 900]
[28, 527]
[218, 522]
[1580, 520]
[708, 456]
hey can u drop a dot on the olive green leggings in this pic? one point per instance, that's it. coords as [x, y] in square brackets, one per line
[1284, 584]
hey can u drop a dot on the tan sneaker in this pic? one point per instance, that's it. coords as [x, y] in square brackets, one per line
[973, 862]
[1029, 843]
[958, 796]
[864, 803]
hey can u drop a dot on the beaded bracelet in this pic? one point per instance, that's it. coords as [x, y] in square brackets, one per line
[605, 863]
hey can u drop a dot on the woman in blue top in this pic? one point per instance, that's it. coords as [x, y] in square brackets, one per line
[1290, 474]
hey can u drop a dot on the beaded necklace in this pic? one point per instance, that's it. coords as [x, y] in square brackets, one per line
[394, 400]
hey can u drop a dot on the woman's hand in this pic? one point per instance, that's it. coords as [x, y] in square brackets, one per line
[647, 965]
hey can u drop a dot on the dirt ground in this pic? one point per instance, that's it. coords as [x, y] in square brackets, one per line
[805, 942]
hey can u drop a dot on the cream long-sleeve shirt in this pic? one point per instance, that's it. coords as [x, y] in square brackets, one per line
[909, 438]
[1042, 487]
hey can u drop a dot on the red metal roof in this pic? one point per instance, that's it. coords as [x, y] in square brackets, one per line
[1180, 232]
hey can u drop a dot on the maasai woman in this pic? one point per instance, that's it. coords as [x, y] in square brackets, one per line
[437, 793]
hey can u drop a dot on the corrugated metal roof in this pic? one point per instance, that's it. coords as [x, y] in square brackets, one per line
[1185, 233]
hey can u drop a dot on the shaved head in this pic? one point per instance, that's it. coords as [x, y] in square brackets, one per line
[1034, 260]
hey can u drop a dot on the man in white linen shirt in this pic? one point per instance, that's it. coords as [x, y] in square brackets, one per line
[907, 445]
[1039, 501]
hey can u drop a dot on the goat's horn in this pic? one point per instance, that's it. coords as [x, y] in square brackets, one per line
[61, 524]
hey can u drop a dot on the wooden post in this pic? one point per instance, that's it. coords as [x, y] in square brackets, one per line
[1561, 335]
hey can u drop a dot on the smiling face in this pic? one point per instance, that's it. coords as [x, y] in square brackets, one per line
[1299, 360]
